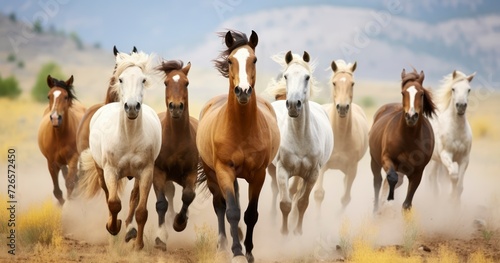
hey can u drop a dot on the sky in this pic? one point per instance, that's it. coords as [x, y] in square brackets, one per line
[443, 33]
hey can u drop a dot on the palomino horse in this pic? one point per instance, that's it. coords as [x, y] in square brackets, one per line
[57, 134]
[179, 160]
[401, 138]
[350, 131]
[125, 139]
[237, 138]
[452, 132]
[82, 134]
[305, 132]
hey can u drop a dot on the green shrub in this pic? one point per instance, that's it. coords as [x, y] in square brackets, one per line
[11, 57]
[41, 89]
[9, 87]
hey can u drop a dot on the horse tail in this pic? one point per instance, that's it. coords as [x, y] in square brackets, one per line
[201, 180]
[88, 178]
[277, 88]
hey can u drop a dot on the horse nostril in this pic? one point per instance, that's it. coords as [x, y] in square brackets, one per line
[237, 91]
[126, 107]
[347, 107]
[59, 117]
[138, 107]
[338, 106]
[181, 106]
[299, 104]
[249, 90]
[287, 105]
[170, 106]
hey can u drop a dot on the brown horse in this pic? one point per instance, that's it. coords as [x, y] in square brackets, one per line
[179, 160]
[401, 138]
[57, 134]
[238, 137]
[82, 134]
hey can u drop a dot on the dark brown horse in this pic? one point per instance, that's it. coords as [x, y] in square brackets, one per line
[57, 134]
[82, 134]
[179, 160]
[401, 138]
[237, 137]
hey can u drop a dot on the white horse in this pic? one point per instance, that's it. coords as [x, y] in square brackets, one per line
[350, 130]
[452, 132]
[306, 136]
[125, 139]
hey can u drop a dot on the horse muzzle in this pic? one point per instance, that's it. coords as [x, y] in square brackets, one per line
[55, 119]
[294, 108]
[411, 119]
[243, 96]
[343, 110]
[132, 110]
[461, 108]
[176, 110]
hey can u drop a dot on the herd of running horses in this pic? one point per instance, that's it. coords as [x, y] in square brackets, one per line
[241, 135]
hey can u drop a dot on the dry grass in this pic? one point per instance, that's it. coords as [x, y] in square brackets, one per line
[205, 247]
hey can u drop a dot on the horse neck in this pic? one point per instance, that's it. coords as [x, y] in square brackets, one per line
[450, 114]
[178, 129]
[341, 125]
[66, 128]
[301, 124]
[410, 133]
[242, 116]
[130, 128]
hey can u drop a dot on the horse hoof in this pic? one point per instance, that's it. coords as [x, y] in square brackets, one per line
[131, 234]
[284, 231]
[297, 232]
[115, 232]
[160, 244]
[180, 222]
[239, 259]
[138, 246]
[250, 258]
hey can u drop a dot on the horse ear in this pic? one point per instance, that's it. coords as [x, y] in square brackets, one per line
[471, 76]
[115, 50]
[454, 75]
[69, 82]
[229, 39]
[254, 40]
[288, 57]
[421, 77]
[334, 66]
[186, 68]
[134, 50]
[50, 81]
[403, 74]
[353, 67]
[306, 57]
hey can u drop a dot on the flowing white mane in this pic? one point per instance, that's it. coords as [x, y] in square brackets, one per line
[139, 59]
[444, 94]
[277, 87]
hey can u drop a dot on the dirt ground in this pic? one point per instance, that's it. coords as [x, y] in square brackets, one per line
[471, 226]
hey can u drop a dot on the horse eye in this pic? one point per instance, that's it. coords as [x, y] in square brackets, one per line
[121, 81]
[187, 84]
[468, 91]
[255, 60]
[284, 77]
[65, 97]
[143, 81]
[352, 84]
[308, 77]
[48, 97]
[229, 62]
[453, 89]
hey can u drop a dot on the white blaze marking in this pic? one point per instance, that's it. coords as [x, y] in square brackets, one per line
[56, 95]
[176, 78]
[343, 79]
[412, 91]
[241, 55]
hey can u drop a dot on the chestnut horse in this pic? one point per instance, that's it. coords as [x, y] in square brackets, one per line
[57, 134]
[179, 160]
[237, 137]
[401, 138]
[125, 139]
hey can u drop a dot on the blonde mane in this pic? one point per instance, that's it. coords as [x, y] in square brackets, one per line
[139, 59]
[342, 67]
[444, 94]
[277, 87]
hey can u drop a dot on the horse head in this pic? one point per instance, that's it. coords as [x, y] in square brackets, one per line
[176, 84]
[238, 63]
[60, 97]
[298, 82]
[416, 99]
[343, 85]
[460, 90]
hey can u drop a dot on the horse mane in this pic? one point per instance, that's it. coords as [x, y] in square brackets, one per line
[221, 64]
[277, 86]
[168, 66]
[342, 67]
[141, 60]
[410, 76]
[68, 88]
[444, 93]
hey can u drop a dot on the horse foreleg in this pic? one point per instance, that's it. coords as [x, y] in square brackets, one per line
[159, 183]
[274, 188]
[349, 175]
[414, 181]
[319, 192]
[188, 195]
[169, 192]
[447, 160]
[251, 214]
[134, 200]
[141, 213]
[54, 174]
[285, 201]
[377, 182]
[431, 171]
[458, 184]
[114, 204]
[303, 200]
[70, 177]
